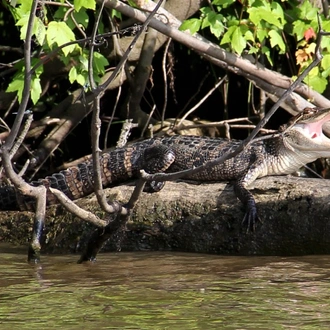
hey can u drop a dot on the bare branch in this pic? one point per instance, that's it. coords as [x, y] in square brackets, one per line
[216, 55]
[76, 210]
[216, 86]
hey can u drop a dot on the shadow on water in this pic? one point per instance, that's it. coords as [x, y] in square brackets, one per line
[161, 290]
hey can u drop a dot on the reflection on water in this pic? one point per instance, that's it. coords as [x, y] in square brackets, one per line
[160, 290]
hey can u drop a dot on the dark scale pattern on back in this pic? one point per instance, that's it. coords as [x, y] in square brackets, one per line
[192, 152]
[169, 154]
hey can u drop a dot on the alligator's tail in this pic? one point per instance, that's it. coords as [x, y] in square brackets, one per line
[75, 182]
[117, 166]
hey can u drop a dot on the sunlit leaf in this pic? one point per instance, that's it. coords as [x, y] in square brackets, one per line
[35, 90]
[99, 64]
[266, 51]
[17, 85]
[317, 82]
[228, 35]
[73, 74]
[238, 42]
[276, 40]
[193, 25]
[223, 3]
[59, 33]
[88, 4]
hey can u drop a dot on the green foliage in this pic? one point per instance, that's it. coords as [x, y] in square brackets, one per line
[17, 83]
[262, 27]
[58, 32]
[79, 72]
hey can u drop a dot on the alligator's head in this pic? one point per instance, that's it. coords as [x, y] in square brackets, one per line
[305, 133]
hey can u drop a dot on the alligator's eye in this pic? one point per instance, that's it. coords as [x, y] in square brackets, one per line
[309, 111]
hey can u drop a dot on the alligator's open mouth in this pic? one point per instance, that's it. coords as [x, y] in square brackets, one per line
[317, 127]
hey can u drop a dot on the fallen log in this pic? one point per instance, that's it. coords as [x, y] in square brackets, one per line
[205, 218]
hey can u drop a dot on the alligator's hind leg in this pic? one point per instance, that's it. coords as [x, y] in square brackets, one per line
[157, 159]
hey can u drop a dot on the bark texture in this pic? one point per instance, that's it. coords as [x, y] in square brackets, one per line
[199, 218]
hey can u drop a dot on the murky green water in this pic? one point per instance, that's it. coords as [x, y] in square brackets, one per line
[164, 291]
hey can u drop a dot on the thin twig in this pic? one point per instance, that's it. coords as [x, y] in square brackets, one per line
[91, 50]
[218, 83]
[167, 45]
[76, 210]
[22, 135]
[125, 133]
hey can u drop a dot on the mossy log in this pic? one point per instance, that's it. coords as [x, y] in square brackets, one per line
[295, 215]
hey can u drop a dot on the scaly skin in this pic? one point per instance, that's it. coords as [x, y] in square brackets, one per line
[301, 142]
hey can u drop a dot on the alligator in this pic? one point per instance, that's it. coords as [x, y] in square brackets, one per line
[298, 142]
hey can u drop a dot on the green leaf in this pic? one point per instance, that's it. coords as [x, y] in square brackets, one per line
[265, 50]
[40, 31]
[207, 14]
[213, 20]
[88, 4]
[26, 5]
[299, 28]
[115, 13]
[223, 3]
[260, 13]
[23, 22]
[317, 82]
[59, 33]
[83, 62]
[192, 24]
[99, 64]
[278, 11]
[326, 25]
[325, 44]
[82, 79]
[39, 70]
[308, 11]
[238, 43]
[73, 74]
[276, 40]
[35, 90]
[17, 85]
[226, 39]
[325, 63]
[217, 27]
[253, 50]
[76, 76]
[326, 73]
[249, 36]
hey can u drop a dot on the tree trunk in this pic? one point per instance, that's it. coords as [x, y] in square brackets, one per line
[295, 215]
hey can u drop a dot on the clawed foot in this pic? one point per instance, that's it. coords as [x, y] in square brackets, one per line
[251, 218]
[154, 186]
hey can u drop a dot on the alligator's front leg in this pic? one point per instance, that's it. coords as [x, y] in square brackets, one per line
[246, 197]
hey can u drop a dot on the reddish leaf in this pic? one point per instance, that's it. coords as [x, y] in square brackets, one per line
[309, 34]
